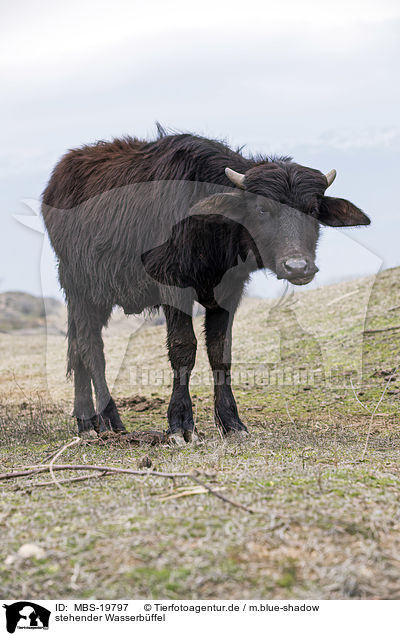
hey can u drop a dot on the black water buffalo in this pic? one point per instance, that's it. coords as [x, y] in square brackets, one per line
[163, 223]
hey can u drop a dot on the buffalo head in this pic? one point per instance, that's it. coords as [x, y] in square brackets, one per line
[282, 204]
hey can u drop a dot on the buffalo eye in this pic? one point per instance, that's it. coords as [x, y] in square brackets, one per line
[260, 211]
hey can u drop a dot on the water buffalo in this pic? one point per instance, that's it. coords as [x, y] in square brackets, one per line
[163, 223]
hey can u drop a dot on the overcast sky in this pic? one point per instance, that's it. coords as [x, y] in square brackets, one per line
[316, 80]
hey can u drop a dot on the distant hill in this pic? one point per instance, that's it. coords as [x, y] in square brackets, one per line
[21, 311]
[24, 313]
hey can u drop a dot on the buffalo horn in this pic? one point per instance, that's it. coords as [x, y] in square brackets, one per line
[236, 177]
[330, 177]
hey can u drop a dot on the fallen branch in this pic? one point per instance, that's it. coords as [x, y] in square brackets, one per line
[110, 469]
[223, 498]
[35, 470]
[369, 331]
[41, 484]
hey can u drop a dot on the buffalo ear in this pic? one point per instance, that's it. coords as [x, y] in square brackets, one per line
[340, 213]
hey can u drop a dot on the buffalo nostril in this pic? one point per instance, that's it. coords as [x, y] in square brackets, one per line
[296, 265]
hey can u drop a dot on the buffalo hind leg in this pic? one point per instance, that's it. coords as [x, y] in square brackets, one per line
[86, 360]
[84, 410]
[218, 328]
[83, 407]
[182, 345]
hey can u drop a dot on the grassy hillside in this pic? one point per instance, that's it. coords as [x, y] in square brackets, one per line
[309, 372]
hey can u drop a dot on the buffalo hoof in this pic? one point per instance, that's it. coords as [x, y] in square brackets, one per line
[109, 419]
[103, 426]
[232, 428]
[88, 434]
[234, 433]
[183, 436]
[106, 430]
[192, 437]
[100, 425]
[177, 438]
[87, 427]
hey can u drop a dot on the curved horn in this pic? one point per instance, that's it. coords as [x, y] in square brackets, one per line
[236, 177]
[330, 177]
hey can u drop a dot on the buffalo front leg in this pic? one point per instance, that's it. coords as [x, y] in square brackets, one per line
[182, 345]
[218, 328]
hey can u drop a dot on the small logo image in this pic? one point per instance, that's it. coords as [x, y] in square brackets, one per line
[26, 615]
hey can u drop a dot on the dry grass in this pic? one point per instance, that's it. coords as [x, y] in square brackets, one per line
[330, 522]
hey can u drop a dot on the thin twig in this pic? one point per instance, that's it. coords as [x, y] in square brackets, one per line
[20, 387]
[195, 419]
[220, 425]
[53, 453]
[197, 490]
[375, 410]
[223, 498]
[288, 413]
[356, 396]
[41, 484]
[282, 298]
[336, 300]
[334, 439]
[7, 514]
[291, 418]
[76, 440]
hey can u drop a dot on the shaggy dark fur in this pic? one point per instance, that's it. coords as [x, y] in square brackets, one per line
[142, 224]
